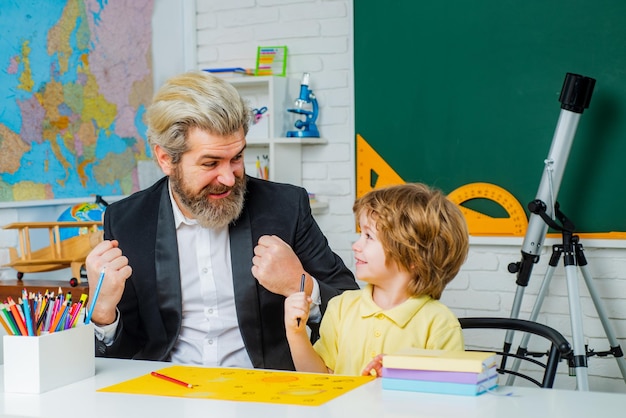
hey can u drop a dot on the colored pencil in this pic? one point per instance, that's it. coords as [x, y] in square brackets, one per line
[60, 326]
[17, 316]
[79, 307]
[171, 379]
[5, 323]
[28, 318]
[95, 296]
[9, 319]
[43, 311]
[58, 317]
[49, 313]
[50, 320]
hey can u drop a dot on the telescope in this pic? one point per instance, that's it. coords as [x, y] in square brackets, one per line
[575, 98]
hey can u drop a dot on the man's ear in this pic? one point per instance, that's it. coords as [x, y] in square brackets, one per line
[164, 160]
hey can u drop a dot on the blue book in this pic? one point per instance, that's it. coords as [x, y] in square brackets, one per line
[440, 387]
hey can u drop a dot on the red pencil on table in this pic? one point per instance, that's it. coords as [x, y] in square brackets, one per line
[171, 379]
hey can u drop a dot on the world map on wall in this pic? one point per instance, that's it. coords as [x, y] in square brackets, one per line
[75, 81]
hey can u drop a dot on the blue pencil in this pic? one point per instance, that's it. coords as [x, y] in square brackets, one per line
[95, 297]
[27, 315]
[61, 324]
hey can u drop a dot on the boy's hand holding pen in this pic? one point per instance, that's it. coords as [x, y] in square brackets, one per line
[297, 307]
[302, 282]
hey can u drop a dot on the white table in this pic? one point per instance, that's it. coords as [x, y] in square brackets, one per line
[82, 399]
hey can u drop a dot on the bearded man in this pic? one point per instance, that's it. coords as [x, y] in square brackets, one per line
[197, 266]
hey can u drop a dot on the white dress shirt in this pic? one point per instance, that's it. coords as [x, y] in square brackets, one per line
[210, 333]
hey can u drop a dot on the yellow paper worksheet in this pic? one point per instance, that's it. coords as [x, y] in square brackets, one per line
[250, 385]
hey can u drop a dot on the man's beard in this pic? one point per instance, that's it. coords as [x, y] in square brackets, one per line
[208, 212]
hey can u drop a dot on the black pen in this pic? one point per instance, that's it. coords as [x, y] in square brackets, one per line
[302, 280]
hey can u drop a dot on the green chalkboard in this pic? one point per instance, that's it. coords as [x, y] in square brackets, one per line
[456, 92]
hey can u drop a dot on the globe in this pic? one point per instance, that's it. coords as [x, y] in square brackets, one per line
[80, 212]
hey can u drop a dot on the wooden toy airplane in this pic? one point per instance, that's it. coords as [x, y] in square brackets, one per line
[70, 252]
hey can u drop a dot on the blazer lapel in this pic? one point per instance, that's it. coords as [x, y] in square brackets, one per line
[245, 287]
[167, 270]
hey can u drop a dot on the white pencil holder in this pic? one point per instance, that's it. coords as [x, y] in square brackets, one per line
[39, 364]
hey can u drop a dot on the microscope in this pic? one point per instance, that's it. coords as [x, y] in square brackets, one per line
[307, 127]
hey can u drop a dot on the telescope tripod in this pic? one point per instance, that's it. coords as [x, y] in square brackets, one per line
[573, 257]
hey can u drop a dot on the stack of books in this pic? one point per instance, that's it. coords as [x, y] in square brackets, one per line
[438, 371]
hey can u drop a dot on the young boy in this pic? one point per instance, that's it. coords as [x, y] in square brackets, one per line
[413, 242]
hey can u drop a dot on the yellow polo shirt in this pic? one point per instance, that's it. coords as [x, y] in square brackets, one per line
[354, 329]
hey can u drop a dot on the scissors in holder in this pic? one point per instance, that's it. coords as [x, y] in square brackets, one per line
[258, 113]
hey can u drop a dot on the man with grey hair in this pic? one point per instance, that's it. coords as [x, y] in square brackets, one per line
[197, 267]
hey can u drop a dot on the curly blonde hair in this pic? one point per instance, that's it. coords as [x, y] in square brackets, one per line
[421, 230]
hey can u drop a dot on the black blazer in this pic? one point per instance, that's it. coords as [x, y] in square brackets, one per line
[151, 308]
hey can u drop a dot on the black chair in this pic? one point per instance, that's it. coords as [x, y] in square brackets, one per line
[560, 348]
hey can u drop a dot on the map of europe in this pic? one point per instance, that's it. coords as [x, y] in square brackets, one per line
[75, 81]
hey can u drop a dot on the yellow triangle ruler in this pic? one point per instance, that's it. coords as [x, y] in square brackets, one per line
[372, 170]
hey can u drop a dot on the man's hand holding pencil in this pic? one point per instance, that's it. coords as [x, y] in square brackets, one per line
[108, 257]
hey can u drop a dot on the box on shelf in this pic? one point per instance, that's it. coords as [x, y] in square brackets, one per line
[38, 364]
